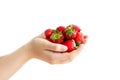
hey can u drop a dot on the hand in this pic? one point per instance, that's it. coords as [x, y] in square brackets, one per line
[52, 53]
[39, 48]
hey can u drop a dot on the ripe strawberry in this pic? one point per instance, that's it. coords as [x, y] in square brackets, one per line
[85, 36]
[84, 41]
[70, 32]
[57, 37]
[79, 38]
[70, 45]
[48, 38]
[61, 28]
[48, 33]
[76, 28]
[80, 34]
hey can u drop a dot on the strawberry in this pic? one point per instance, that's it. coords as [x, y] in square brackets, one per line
[79, 34]
[48, 38]
[71, 36]
[48, 33]
[84, 41]
[76, 28]
[70, 32]
[85, 36]
[70, 45]
[79, 38]
[57, 37]
[60, 28]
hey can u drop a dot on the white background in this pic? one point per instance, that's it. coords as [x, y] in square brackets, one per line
[21, 20]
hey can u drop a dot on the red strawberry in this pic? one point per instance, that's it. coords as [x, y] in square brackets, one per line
[70, 32]
[84, 41]
[57, 37]
[48, 33]
[48, 38]
[76, 28]
[70, 45]
[79, 34]
[79, 38]
[61, 28]
[85, 36]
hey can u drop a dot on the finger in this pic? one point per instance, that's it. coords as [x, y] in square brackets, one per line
[51, 46]
[67, 56]
[74, 53]
[57, 58]
[62, 58]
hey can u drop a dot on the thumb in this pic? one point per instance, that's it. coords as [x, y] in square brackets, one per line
[52, 46]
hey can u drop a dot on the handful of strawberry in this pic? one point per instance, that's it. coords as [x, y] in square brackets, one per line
[70, 36]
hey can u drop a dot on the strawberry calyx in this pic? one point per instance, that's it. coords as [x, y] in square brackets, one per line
[78, 43]
[55, 36]
[70, 30]
[76, 47]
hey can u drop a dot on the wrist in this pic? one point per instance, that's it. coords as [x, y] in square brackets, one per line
[26, 50]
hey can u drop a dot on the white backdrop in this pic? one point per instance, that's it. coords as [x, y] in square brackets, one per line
[21, 20]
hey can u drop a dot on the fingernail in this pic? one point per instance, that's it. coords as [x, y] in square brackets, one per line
[63, 48]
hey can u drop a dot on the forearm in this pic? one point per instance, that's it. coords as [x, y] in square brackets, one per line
[9, 64]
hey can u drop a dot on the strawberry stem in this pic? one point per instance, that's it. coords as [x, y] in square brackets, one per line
[55, 36]
[78, 43]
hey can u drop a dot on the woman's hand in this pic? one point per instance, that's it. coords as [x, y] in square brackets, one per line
[39, 48]
[52, 53]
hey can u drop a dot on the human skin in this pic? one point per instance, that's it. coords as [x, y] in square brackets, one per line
[38, 48]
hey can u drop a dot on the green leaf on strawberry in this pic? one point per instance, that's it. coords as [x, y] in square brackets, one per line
[70, 32]
[57, 37]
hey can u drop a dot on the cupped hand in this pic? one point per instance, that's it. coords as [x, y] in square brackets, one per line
[52, 53]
